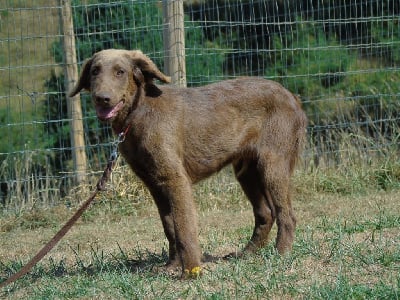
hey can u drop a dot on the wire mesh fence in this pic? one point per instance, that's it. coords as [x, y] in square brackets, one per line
[341, 57]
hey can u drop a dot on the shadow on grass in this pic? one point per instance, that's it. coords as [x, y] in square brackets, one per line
[142, 262]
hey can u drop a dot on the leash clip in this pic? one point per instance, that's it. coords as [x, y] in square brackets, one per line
[114, 155]
[120, 139]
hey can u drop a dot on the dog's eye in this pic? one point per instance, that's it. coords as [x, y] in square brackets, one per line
[95, 71]
[120, 72]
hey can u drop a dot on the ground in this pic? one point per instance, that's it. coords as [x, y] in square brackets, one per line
[346, 246]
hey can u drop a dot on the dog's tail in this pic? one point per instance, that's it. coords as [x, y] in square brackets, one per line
[300, 134]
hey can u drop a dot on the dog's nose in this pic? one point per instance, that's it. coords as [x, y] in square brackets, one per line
[103, 97]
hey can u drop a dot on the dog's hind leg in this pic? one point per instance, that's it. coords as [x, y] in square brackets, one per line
[252, 184]
[276, 172]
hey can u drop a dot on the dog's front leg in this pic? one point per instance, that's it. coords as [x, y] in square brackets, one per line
[184, 214]
[162, 201]
[165, 212]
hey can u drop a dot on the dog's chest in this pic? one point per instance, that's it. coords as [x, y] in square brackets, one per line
[137, 157]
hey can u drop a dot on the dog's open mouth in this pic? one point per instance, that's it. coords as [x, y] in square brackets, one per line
[106, 113]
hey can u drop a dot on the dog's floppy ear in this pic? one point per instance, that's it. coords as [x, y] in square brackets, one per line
[147, 67]
[84, 79]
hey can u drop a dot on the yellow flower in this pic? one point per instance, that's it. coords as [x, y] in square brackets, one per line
[194, 272]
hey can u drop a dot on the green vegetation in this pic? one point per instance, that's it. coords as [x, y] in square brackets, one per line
[20, 116]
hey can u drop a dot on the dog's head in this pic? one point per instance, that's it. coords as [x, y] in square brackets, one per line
[113, 77]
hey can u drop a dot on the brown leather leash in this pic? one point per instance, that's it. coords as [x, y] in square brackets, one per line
[59, 235]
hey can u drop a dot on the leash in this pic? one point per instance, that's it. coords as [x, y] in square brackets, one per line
[60, 234]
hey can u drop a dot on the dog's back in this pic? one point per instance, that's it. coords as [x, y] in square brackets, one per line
[234, 118]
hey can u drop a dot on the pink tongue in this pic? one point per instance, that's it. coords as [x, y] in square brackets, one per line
[106, 113]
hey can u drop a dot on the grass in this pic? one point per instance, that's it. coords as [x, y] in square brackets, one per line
[347, 246]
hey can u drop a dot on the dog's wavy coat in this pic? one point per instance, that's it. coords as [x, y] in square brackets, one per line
[179, 136]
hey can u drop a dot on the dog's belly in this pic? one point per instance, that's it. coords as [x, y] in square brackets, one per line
[207, 150]
[201, 168]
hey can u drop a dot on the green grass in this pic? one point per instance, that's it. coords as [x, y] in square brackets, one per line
[347, 246]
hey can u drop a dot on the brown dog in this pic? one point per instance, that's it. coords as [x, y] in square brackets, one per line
[179, 136]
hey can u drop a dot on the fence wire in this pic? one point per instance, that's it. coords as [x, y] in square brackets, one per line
[341, 57]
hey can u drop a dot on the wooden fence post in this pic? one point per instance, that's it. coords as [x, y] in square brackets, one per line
[174, 41]
[74, 103]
